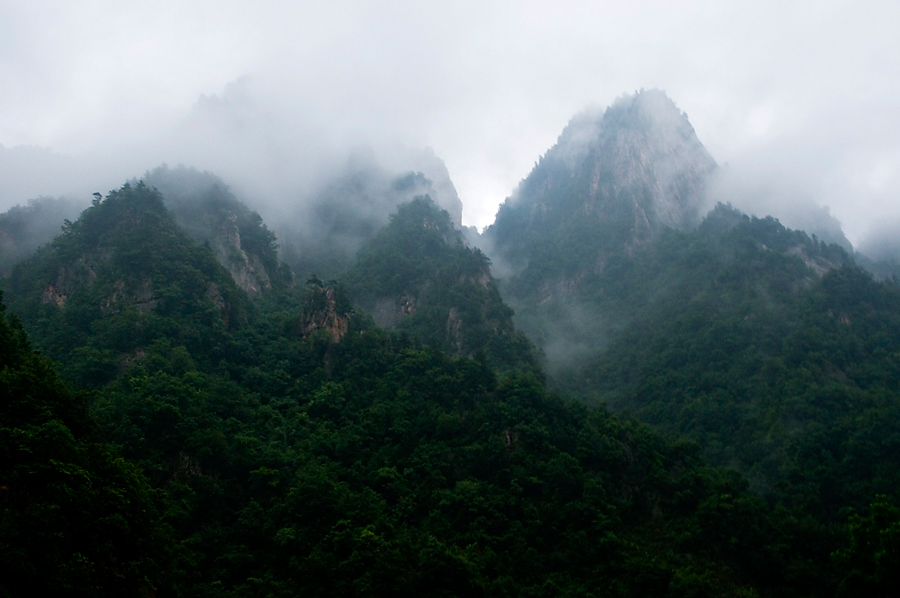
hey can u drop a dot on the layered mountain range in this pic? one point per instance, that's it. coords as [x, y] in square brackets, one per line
[682, 403]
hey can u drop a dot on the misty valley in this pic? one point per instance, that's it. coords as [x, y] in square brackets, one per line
[624, 386]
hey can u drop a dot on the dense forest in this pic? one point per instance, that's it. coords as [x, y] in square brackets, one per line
[276, 464]
[418, 276]
[680, 405]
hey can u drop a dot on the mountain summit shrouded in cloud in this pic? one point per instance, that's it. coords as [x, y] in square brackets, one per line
[487, 85]
[612, 180]
[293, 446]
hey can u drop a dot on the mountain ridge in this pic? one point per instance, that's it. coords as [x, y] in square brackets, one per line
[625, 172]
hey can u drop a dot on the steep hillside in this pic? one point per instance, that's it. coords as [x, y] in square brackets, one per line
[371, 467]
[306, 451]
[613, 181]
[771, 349]
[763, 345]
[75, 518]
[417, 275]
[205, 208]
[120, 278]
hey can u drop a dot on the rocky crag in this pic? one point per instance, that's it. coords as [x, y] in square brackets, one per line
[614, 179]
[207, 210]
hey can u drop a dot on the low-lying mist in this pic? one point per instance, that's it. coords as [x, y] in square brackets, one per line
[322, 191]
[764, 194]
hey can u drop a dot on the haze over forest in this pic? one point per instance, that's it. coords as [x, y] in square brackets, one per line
[796, 103]
[498, 300]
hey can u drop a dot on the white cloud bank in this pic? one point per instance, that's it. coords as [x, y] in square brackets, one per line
[805, 93]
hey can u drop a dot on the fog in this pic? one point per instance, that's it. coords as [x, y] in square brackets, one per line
[797, 104]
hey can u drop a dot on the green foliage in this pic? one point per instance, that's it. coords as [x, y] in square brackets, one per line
[204, 207]
[261, 458]
[769, 349]
[75, 519]
[399, 470]
[871, 563]
[367, 466]
[120, 277]
[418, 275]
[773, 370]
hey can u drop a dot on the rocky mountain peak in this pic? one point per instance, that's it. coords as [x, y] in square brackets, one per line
[618, 176]
[641, 150]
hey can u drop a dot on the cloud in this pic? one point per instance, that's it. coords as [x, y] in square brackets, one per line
[808, 89]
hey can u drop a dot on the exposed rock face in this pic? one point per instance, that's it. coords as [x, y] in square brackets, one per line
[213, 292]
[816, 263]
[127, 253]
[388, 312]
[643, 150]
[205, 207]
[624, 173]
[247, 270]
[455, 335]
[324, 310]
[83, 272]
[141, 297]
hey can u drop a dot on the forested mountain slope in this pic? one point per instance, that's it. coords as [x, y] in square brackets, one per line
[120, 279]
[25, 228]
[774, 351]
[418, 276]
[75, 519]
[202, 205]
[771, 349]
[614, 179]
[777, 353]
[295, 461]
[205, 209]
[321, 233]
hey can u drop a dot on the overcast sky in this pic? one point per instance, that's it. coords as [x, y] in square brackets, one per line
[799, 96]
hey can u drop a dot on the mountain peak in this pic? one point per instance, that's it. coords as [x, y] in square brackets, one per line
[616, 176]
[644, 144]
[650, 108]
[647, 112]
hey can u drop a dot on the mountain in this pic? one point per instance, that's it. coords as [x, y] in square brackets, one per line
[75, 518]
[764, 346]
[417, 275]
[615, 181]
[726, 423]
[294, 447]
[120, 278]
[772, 350]
[204, 207]
[612, 182]
[322, 233]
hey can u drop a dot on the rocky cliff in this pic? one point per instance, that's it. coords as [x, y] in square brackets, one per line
[205, 208]
[614, 179]
[326, 308]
